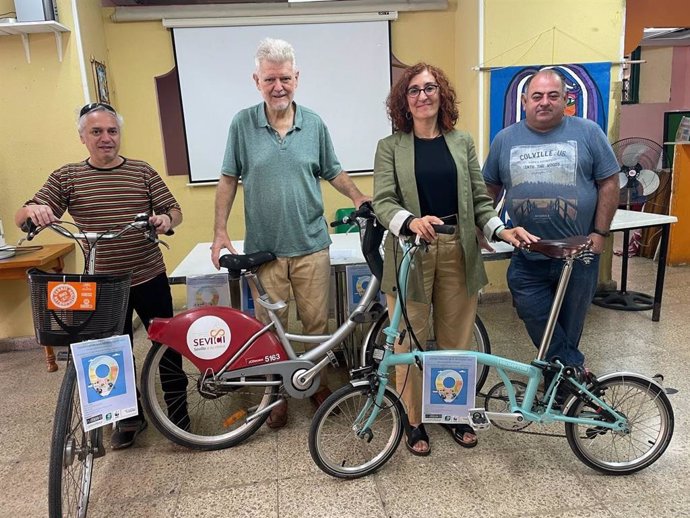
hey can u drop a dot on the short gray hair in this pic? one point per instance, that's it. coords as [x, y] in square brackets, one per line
[81, 121]
[275, 51]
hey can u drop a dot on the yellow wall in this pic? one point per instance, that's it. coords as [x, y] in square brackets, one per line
[38, 100]
[37, 134]
[93, 43]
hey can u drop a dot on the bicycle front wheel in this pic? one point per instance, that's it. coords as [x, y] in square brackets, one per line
[71, 454]
[197, 414]
[333, 441]
[650, 426]
[479, 342]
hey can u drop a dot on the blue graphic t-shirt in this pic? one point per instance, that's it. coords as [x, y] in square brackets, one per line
[550, 178]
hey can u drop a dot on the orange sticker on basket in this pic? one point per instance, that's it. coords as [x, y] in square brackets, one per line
[74, 296]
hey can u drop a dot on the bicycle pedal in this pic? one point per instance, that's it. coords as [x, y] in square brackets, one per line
[62, 356]
[478, 419]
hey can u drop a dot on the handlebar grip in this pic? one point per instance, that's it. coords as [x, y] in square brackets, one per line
[365, 210]
[444, 229]
[28, 226]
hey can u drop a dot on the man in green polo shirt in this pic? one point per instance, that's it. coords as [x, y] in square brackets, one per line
[281, 151]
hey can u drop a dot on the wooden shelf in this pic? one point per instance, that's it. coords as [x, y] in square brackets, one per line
[25, 28]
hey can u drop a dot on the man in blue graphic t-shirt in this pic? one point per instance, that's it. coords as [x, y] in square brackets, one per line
[560, 178]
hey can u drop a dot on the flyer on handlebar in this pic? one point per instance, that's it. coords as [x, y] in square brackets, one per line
[106, 382]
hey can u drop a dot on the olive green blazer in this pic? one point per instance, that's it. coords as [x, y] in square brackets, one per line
[395, 190]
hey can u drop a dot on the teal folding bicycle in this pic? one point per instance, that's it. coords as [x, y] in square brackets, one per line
[617, 424]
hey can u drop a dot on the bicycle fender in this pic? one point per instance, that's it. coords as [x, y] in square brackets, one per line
[211, 336]
[652, 381]
[610, 375]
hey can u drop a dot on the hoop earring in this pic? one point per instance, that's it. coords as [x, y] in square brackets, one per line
[408, 116]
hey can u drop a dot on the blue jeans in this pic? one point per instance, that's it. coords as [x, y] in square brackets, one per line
[533, 286]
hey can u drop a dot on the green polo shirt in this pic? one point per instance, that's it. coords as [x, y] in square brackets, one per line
[283, 206]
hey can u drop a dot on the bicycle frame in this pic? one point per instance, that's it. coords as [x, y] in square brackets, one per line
[327, 343]
[519, 412]
[71, 447]
[257, 349]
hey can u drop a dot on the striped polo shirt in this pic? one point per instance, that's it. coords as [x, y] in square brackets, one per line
[100, 200]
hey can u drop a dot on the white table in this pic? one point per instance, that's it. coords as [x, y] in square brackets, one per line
[346, 250]
[626, 220]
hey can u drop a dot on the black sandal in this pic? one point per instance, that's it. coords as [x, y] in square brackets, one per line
[458, 431]
[414, 435]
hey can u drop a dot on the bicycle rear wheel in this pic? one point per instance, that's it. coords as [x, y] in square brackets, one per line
[479, 342]
[333, 442]
[71, 454]
[195, 416]
[650, 426]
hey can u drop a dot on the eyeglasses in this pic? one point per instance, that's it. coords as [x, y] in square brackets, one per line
[92, 106]
[429, 90]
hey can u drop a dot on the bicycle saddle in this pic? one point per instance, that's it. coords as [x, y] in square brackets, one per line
[560, 248]
[236, 263]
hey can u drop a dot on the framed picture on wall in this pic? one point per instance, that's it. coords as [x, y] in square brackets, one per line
[101, 79]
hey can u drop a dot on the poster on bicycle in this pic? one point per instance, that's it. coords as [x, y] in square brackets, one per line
[106, 382]
[448, 387]
[208, 290]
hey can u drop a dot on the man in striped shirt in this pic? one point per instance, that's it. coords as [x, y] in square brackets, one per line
[104, 192]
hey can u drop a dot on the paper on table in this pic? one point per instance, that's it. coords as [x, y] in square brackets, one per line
[343, 254]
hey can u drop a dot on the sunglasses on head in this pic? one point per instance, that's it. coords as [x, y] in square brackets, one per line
[92, 106]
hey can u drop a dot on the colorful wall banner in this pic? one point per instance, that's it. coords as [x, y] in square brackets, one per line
[587, 87]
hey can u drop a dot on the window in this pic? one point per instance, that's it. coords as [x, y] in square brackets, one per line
[631, 78]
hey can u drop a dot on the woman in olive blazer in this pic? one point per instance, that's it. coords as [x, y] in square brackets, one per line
[427, 173]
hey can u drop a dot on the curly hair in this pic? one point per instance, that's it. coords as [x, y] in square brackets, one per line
[276, 51]
[397, 107]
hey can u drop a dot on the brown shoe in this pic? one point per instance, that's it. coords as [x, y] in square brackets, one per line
[320, 396]
[278, 416]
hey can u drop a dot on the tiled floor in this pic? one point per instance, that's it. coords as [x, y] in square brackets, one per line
[272, 474]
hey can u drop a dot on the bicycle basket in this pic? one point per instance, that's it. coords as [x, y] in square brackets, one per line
[63, 327]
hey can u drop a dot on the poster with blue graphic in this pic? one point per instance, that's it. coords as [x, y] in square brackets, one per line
[448, 386]
[105, 379]
[358, 278]
[247, 305]
[587, 91]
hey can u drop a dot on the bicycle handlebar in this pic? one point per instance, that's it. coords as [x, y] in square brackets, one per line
[444, 229]
[141, 222]
[365, 210]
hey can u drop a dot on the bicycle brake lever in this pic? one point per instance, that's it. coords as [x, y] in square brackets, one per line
[153, 237]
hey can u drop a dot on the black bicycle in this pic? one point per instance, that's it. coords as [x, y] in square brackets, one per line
[73, 449]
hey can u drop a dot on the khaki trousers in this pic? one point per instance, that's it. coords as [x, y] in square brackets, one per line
[453, 319]
[309, 277]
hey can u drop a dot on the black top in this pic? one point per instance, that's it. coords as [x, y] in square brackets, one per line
[437, 177]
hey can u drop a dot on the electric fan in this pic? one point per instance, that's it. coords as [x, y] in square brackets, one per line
[638, 159]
